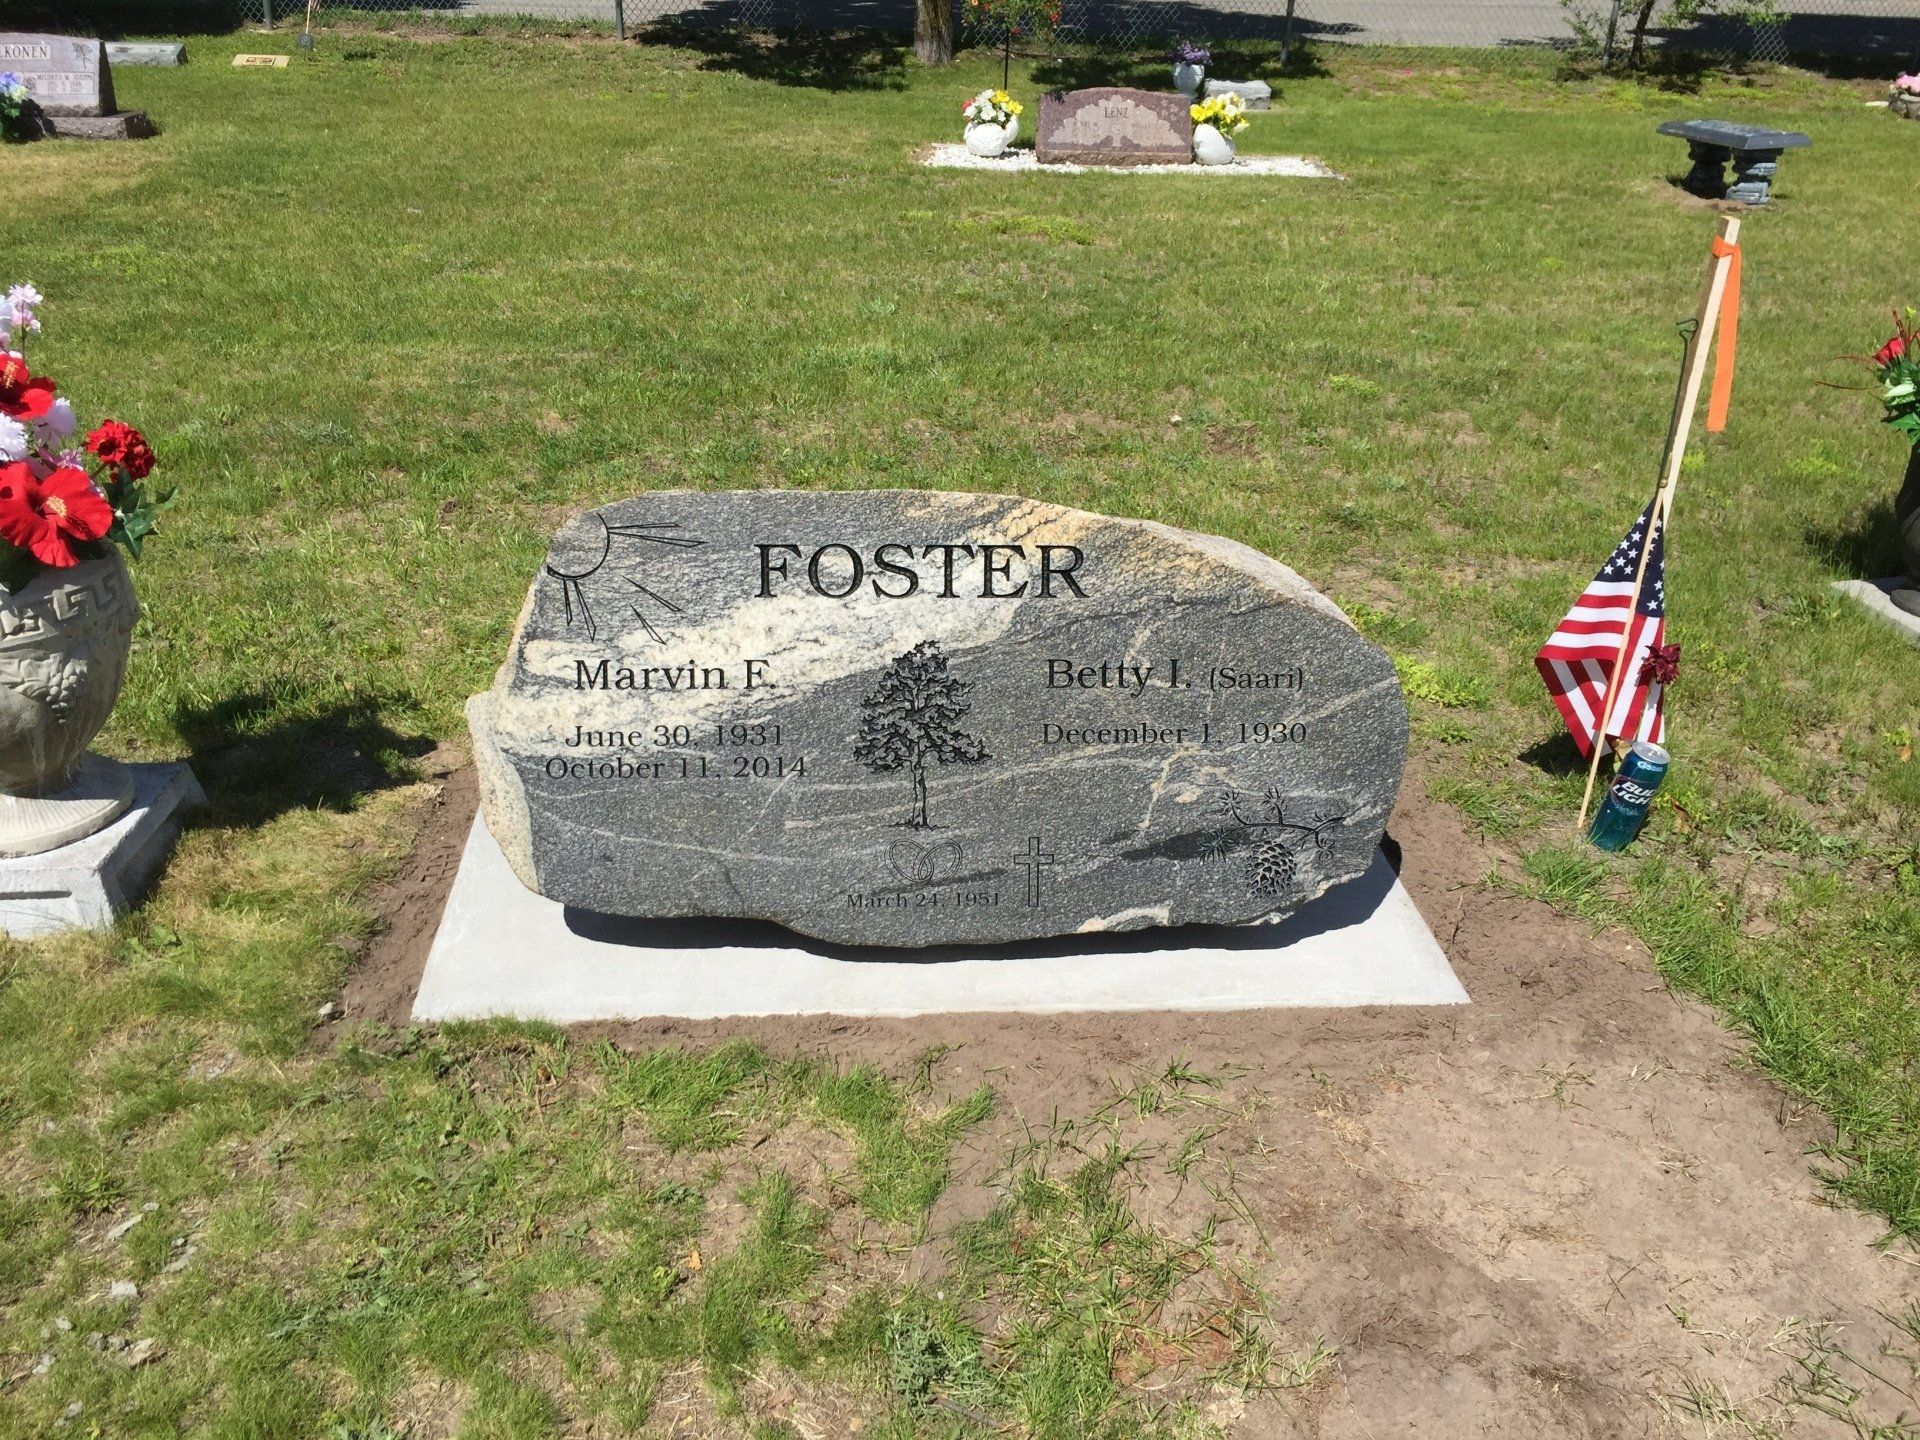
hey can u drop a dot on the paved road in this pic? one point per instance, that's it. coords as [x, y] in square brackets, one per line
[1878, 28]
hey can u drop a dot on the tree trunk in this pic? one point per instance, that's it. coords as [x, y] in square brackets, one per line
[919, 820]
[1637, 56]
[933, 31]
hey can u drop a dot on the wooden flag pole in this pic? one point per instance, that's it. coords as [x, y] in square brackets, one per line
[1693, 376]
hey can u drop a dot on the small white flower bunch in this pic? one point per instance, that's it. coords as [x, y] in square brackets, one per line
[20, 303]
[19, 318]
[991, 107]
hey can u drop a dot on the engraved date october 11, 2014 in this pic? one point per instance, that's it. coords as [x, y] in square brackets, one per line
[715, 750]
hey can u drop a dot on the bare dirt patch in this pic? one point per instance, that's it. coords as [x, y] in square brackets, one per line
[1573, 1208]
[381, 987]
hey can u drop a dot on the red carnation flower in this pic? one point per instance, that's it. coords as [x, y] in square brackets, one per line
[1662, 665]
[45, 516]
[1890, 352]
[117, 443]
[23, 395]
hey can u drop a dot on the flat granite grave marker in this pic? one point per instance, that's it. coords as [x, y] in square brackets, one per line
[912, 718]
[1114, 126]
[69, 84]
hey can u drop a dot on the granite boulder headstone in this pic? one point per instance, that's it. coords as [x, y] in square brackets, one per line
[910, 718]
[1114, 126]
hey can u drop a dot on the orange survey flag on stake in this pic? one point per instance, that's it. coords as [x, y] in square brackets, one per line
[1729, 338]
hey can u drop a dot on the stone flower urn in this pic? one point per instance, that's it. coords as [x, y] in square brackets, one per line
[1210, 147]
[64, 639]
[1906, 517]
[986, 140]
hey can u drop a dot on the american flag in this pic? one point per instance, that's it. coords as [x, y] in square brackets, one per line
[1578, 657]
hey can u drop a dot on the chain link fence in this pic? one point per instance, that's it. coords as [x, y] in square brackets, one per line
[1875, 36]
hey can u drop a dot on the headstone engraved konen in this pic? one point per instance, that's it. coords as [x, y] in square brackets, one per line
[63, 75]
[1114, 126]
[69, 84]
[914, 718]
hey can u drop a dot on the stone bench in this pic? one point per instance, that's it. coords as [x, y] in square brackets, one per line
[1753, 150]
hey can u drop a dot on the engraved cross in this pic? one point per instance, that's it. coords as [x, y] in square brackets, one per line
[1033, 857]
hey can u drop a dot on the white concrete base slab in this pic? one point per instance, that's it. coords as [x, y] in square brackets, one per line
[1873, 595]
[953, 156]
[87, 884]
[501, 950]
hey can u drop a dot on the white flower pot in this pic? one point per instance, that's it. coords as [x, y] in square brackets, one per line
[1187, 78]
[987, 140]
[1210, 147]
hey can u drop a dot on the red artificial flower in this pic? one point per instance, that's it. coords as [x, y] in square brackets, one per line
[45, 516]
[117, 443]
[23, 395]
[1662, 665]
[1890, 352]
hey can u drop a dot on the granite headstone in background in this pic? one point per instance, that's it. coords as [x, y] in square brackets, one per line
[911, 718]
[1257, 94]
[1114, 126]
[69, 85]
[63, 75]
[146, 52]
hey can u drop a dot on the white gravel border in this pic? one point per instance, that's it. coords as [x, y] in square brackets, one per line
[954, 156]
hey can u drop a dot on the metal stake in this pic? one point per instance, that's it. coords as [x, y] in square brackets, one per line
[1613, 26]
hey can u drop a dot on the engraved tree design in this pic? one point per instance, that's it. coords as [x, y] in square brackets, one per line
[914, 715]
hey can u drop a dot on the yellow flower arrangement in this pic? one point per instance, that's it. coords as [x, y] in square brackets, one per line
[991, 107]
[1226, 113]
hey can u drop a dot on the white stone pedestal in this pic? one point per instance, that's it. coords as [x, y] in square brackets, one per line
[87, 884]
[1873, 594]
[502, 950]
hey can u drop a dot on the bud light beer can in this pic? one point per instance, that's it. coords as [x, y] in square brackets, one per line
[1624, 810]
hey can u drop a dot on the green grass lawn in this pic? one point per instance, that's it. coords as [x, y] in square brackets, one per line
[390, 314]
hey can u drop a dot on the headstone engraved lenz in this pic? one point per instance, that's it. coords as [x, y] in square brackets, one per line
[914, 718]
[1114, 126]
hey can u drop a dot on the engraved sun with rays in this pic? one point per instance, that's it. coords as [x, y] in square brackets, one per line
[637, 596]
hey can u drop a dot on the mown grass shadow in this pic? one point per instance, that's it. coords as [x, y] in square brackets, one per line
[1145, 67]
[259, 757]
[117, 19]
[842, 59]
[1556, 755]
[1841, 47]
[1864, 546]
